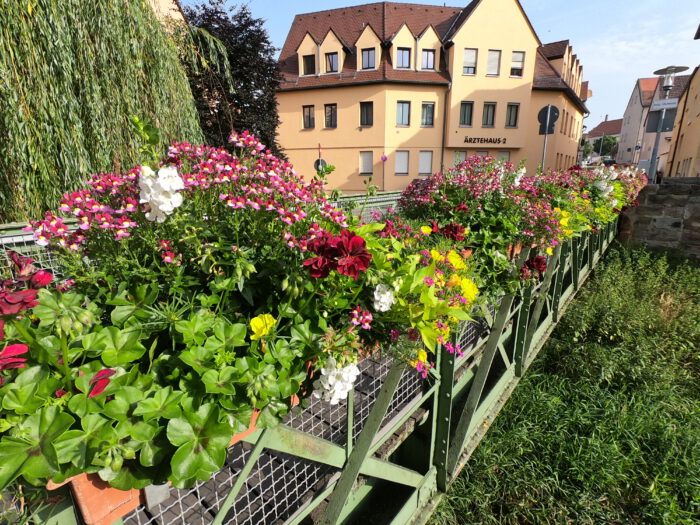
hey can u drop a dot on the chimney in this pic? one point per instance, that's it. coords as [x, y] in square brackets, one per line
[606, 117]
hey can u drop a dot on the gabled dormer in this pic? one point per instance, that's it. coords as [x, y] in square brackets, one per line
[332, 53]
[403, 49]
[307, 54]
[368, 49]
[429, 50]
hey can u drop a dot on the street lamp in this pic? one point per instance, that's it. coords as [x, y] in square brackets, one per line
[666, 75]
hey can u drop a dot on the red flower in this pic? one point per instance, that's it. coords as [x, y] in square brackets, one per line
[60, 392]
[537, 264]
[40, 279]
[320, 266]
[2, 329]
[9, 359]
[354, 257]
[12, 303]
[22, 265]
[100, 382]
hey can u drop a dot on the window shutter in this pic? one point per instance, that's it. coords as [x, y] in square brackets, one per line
[470, 58]
[401, 163]
[494, 62]
[366, 162]
[425, 163]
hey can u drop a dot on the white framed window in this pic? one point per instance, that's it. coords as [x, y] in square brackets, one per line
[482, 153]
[517, 64]
[469, 65]
[401, 163]
[504, 155]
[489, 115]
[494, 64]
[368, 58]
[466, 111]
[425, 163]
[331, 62]
[428, 59]
[308, 117]
[403, 58]
[403, 113]
[512, 111]
[460, 156]
[366, 163]
[309, 64]
[427, 114]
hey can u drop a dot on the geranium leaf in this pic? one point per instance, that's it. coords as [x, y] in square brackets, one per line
[164, 403]
[120, 346]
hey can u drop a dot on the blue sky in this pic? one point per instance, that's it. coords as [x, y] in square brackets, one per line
[617, 41]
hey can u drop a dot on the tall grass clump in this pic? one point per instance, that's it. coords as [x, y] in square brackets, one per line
[605, 427]
[72, 74]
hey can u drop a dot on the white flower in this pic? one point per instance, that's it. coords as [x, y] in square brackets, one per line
[603, 186]
[160, 192]
[383, 298]
[613, 203]
[519, 175]
[335, 383]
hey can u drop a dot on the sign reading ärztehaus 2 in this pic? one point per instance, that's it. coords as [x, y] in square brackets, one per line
[484, 140]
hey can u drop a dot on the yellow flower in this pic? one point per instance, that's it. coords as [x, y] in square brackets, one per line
[550, 251]
[422, 357]
[261, 325]
[469, 290]
[455, 280]
[427, 230]
[436, 255]
[455, 260]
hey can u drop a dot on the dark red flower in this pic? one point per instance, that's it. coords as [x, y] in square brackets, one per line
[60, 392]
[462, 207]
[40, 279]
[9, 359]
[354, 257]
[413, 334]
[525, 273]
[320, 266]
[100, 382]
[22, 265]
[538, 264]
[2, 329]
[453, 231]
[12, 303]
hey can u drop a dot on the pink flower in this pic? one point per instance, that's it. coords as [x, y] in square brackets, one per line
[100, 381]
[9, 359]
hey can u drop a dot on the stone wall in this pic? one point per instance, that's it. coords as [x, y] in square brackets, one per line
[668, 216]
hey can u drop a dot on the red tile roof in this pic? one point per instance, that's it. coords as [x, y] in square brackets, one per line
[548, 78]
[583, 95]
[555, 49]
[385, 19]
[647, 86]
[607, 127]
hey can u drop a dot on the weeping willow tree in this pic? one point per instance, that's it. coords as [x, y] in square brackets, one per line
[72, 75]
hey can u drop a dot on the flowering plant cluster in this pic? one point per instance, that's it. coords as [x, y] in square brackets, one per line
[493, 208]
[221, 283]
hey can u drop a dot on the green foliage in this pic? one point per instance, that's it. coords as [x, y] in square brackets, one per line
[249, 103]
[72, 74]
[606, 426]
[609, 146]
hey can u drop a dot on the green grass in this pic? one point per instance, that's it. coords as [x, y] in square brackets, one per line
[605, 426]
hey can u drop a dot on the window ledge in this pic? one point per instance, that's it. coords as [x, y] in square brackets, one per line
[427, 126]
[466, 126]
[403, 125]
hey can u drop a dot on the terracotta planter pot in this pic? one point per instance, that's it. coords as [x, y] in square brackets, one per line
[99, 503]
[251, 428]
[467, 252]
[514, 251]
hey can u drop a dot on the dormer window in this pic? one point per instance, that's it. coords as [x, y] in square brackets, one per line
[331, 62]
[368, 58]
[403, 58]
[428, 61]
[309, 64]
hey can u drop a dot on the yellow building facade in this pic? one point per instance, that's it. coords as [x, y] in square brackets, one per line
[398, 91]
[684, 151]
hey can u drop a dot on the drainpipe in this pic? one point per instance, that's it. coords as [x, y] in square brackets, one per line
[680, 127]
[318, 59]
[444, 127]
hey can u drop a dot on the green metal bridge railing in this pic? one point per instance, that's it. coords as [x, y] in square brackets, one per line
[396, 444]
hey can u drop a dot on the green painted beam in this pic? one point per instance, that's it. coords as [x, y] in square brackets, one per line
[359, 454]
[441, 431]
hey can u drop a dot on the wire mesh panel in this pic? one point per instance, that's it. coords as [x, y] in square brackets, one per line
[23, 243]
[366, 206]
[280, 483]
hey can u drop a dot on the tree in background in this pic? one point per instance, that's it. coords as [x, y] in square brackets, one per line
[251, 55]
[609, 146]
